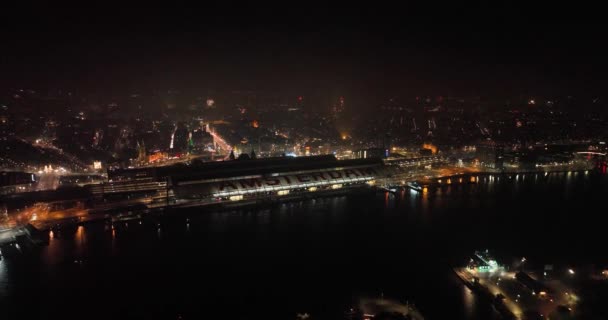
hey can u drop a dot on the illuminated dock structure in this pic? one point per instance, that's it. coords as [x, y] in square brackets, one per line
[482, 261]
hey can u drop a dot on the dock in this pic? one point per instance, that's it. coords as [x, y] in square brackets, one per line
[516, 294]
[20, 238]
[476, 286]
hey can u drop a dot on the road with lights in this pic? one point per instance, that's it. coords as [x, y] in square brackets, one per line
[219, 141]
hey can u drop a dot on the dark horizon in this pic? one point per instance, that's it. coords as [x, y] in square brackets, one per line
[355, 54]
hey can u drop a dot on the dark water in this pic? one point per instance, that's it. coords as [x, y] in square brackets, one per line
[313, 256]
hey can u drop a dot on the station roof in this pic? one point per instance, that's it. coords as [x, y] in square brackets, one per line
[235, 168]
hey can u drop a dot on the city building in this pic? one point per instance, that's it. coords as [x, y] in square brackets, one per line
[15, 181]
[490, 154]
[251, 179]
[379, 153]
[180, 139]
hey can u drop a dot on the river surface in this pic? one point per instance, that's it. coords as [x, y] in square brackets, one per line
[314, 256]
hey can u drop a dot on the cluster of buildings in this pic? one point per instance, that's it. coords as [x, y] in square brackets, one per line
[541, 156]
[15, 181]
[78, 131]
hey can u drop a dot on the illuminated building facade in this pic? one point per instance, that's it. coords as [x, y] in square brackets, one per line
[254, 179]
[490, 154]
[180, 138]
[379, 153]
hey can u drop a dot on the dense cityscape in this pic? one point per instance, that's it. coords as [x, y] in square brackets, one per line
[82, 134]
[293, 201]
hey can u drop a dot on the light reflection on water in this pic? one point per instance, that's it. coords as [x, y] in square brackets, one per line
[3, 277]
[317, 241]
[54, 252]
[80, 241]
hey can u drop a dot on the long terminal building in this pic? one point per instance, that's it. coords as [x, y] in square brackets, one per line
[240, 180]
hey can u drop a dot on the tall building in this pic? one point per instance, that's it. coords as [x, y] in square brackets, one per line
[142, 156]
[490, 154]
[5, 131]
[6, 125]
[386, 141]
[180, 138]
[338, 107]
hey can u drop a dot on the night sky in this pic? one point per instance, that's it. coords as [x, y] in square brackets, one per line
[117, 49]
